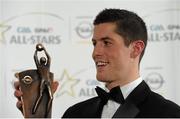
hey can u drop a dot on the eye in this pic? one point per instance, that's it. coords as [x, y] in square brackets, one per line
[94, 43]
[106, 43]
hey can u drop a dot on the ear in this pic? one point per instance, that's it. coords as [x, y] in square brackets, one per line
[137, 48]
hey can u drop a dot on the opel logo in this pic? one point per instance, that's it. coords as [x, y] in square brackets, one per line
[155, 80]
[84, 29]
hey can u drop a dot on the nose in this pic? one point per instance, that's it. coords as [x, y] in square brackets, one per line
[97, 51]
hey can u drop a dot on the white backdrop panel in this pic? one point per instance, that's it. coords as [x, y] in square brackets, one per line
[65, 28]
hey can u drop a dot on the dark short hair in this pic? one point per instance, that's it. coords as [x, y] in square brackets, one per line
[128, 24]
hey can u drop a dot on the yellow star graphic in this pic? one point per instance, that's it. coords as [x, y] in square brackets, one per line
[3, 29]
[66, 84]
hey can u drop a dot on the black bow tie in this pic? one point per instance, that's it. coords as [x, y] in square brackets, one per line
[114, 94]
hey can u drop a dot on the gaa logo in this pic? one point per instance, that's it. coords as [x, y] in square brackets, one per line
[84, 29]
[155, 80]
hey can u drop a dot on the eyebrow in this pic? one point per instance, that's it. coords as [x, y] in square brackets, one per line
[101, 39]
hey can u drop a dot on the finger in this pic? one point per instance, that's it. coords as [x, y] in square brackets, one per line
[16, 85]
[18, 94]
[19, 105]
[55, 85]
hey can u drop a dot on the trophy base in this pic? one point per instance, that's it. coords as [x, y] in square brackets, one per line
[30, 86]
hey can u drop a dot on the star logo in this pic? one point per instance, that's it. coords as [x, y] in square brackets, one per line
[3, 29]
[67, 84]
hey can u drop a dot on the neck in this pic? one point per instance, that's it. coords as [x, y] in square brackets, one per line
[121, 82]
[130, 74]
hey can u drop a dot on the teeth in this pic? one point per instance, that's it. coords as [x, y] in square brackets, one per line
[101, 63]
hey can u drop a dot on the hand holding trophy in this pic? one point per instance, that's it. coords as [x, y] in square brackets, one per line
[36, 86]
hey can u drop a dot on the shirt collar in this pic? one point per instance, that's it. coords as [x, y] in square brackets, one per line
[128, 88]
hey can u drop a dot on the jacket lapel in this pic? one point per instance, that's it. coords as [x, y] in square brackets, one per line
[129, 108]
[95, 109]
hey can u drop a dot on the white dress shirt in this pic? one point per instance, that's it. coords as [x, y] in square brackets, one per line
[110, 108]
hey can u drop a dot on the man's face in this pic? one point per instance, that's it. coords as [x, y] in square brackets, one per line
[111, 56]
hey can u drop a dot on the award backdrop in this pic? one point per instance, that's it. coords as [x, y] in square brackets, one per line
[65, 29]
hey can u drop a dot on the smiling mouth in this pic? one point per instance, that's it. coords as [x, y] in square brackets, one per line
[101, 63]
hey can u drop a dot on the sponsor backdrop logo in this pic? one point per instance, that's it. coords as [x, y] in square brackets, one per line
[166, 30]
[77, 86]
[82, 29]
[155, 80]
[32, 28]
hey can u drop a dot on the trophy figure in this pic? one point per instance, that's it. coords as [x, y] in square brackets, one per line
[36, 87]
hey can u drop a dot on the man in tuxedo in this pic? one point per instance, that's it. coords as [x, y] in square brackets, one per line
[119, 40]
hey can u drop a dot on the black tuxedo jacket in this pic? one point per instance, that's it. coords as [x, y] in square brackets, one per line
[141, 102]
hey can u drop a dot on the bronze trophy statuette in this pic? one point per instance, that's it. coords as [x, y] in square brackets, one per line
[36, 87]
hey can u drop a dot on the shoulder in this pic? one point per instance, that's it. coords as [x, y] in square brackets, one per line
[153, 100]
[161, 105]
[79, 108]
[154, 97]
